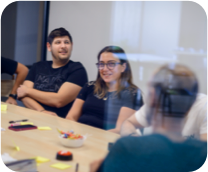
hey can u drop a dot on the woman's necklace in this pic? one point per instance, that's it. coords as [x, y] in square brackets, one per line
[109, 95]
[105, 98]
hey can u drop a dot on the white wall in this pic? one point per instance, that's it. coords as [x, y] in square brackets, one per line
[151, 33]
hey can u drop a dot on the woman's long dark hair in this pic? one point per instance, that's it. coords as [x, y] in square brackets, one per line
[125, 80]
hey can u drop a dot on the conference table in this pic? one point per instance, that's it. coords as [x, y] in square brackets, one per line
[46, 143]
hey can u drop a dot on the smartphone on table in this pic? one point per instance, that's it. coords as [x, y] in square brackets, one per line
[22, 127]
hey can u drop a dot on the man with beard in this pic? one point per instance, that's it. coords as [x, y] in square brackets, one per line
[52, 86]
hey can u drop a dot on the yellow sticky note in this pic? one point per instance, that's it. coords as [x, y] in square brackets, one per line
[40, 159]
[61, 166]
[44, 128]
[3, 107]
[17, 148]
[26, 123]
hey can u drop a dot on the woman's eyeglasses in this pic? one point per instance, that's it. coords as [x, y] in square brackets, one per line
[110, 65]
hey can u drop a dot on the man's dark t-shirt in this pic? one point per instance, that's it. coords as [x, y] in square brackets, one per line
[8, 66]
[154, 153]
[48, 79]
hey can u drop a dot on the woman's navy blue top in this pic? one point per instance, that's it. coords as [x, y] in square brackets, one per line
[103, 112]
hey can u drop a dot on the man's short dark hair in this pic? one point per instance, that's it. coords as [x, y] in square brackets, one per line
[57, 33]
[176, 88]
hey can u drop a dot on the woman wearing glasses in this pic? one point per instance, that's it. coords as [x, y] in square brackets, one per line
[107, 102]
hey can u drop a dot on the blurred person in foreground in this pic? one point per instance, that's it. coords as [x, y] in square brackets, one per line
[12, 67]
[172, 92]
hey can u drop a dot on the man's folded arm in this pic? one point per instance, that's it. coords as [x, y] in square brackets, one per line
[32, 104]
[29, 102]
[66, 94]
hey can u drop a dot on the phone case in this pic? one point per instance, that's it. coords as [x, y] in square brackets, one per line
[21, 129]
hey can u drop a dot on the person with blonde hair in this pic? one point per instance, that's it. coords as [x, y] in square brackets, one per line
[112, 98]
